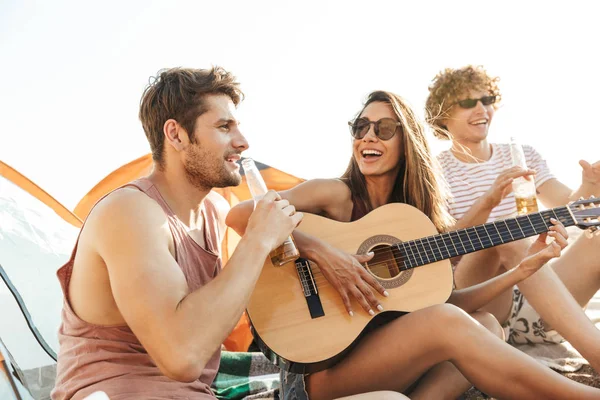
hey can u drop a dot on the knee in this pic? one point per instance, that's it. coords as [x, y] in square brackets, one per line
[490, 322]
[448, 315]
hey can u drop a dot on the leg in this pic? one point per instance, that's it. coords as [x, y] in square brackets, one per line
[480, 266]
[395, 355]
[444, 381]
[579, 268]
[557, 307]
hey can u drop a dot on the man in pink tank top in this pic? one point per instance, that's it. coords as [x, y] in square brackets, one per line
[147, 305]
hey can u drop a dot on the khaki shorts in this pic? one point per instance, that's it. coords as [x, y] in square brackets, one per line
[524, 326]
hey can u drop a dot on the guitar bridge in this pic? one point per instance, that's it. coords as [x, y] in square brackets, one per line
[309, 288]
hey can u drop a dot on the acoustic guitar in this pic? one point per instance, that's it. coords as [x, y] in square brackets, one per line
[298, 319]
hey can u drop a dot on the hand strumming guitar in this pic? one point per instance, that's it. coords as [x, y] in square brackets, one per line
[346, 274]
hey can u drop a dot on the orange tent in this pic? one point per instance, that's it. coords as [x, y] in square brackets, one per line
[240, 338]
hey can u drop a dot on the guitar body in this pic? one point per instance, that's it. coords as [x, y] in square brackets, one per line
[281, 315]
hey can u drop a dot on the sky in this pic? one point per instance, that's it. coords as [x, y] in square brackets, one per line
[72, 73]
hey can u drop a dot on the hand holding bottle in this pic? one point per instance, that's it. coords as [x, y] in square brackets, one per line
[287, 251]
[273, 220]
[524, 189]
[502, 186]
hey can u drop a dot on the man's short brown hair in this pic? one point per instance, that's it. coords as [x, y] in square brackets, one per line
[178, 93]
[450, 86]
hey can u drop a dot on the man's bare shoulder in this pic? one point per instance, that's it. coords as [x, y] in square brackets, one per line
[128, 209]
[124, 231]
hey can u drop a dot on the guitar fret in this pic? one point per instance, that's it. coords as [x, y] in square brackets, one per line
[506, 235]
[531, 223]
[521, 229]
[486, 242]
[539, 227]
[546, 215]
[439, 256]
[477, 234]
[499, 235]
[407, 255]
[406, 259]
[414, 253]
[429, 253]
[509, 232]
[525, 225]
[462, 235]
[446, 247]
[406, 264]
[460, 243]
[423, 252]
[466, 230]
[447, 237]
[567, 219]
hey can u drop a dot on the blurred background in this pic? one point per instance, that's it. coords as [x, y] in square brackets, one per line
[72, 73]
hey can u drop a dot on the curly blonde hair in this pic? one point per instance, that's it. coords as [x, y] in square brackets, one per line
[449, 86]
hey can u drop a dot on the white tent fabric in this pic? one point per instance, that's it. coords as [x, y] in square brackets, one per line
[34, 243]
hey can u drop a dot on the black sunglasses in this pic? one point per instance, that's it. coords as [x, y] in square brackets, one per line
[470, 103]
[385, 128]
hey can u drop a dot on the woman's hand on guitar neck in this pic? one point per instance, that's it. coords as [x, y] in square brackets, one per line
[539, 253]
[346, 274]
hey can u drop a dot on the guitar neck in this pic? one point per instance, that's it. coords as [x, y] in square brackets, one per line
[463, 241]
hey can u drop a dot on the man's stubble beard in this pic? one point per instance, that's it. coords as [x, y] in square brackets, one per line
[205, 170]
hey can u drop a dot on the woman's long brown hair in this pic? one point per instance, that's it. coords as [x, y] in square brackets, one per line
[419, 182]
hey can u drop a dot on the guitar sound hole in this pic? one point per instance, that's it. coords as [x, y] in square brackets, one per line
[386, 263]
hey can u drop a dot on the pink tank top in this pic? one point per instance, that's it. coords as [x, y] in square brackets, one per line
[111, 358]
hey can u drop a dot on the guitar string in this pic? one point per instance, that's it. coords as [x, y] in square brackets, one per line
[379, 268]
[397, 260]
[420, 253]
[319, 278]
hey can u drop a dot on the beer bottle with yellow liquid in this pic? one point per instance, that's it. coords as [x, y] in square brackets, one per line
[524, 189]
[287, 251]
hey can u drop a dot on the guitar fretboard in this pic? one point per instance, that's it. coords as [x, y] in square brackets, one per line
[463, 241]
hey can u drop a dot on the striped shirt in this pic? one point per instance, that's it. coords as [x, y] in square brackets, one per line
[469, 181]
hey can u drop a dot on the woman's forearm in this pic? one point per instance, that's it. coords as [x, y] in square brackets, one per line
[474, 297]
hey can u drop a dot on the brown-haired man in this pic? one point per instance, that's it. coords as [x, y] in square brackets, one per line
[147, 304]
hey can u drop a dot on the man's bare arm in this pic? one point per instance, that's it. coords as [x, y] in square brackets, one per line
[482, 208]
[180, 330]
[554, 193]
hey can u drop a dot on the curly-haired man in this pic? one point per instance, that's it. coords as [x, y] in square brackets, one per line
[460, 108]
